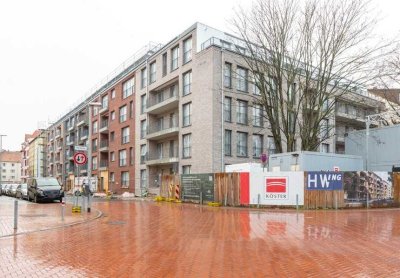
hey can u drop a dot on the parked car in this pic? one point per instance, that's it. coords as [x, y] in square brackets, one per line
[13, 189]
[22, 191]
[4, 189]
[8, 193]
[1, 190]
[44, 189]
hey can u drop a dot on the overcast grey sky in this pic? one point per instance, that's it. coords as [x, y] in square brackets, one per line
[53, 52]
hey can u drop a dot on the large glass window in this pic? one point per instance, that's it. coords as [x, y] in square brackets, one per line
[174, 57]
[94, 163]
[187, 83]
[143, 178]
[104, 101]
[228, 109]
[125, 179]
[143, 154]
[241, 147]
[125, 135]
[122, 114]
[127, 88]
[122, 158]
[95, 127]
[143, 79]
[242, 79]
[186, 169]
[292, 93]
[143, 103]
[187, 147]
[256, 84]
[257, 115]
[241, 112]
[271, 145]
[228, 142]
[324, 148]
[325, 128]
[228, 75]
[187, 50]
[187, 112]
[257, 145]
[164, 64]
[143, 129]
[153, 72]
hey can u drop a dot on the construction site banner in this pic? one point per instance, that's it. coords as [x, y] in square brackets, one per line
[277, 188]
[374, 188]
[324, 181]
[193, 185]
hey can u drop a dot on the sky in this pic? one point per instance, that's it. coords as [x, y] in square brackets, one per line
[53, 52]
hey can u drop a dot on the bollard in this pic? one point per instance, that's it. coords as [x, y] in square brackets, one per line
[226, 196]
[83, 202]
[62, 208]
[258, 200]
[15, 214]
[89, 203]
[297, 201]
[201, 198]
[336, 200]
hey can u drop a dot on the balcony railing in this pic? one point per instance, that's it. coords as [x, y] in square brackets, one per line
[163, 125]
[84, 134]
[164, 154]
[162, 96]
[103, 144]
[104, 124]
[103, 163]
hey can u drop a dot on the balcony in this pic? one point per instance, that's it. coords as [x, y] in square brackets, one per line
[70, 141]
[104, 126]
[103, 146]
[103, 165]
[340, 138]
[103, 109]
[166, 156]
[82, 121]
[71, 126]
[84, 135]
[58, 133]
[355, 116]
[163, 129]
[162, 102]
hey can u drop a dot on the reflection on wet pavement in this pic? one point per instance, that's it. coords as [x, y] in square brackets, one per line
[145, 239]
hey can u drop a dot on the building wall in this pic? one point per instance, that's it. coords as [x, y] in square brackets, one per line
[10, 167]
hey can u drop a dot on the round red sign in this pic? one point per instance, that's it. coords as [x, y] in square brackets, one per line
[80, 158]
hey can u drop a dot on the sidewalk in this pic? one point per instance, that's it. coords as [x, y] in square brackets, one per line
[38, 217]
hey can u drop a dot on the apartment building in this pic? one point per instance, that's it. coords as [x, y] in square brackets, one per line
[185, 107]
[10, 167]
[37, 162]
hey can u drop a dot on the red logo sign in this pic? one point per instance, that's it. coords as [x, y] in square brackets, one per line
[276, 188]
[80, 158]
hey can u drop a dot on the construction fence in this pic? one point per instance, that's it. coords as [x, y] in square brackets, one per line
[308, 190]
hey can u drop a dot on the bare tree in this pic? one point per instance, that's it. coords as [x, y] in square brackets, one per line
[304, 57]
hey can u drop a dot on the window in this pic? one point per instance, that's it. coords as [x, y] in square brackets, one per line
[131, 156]
[104, 101]
[125, 179]
[143, 154]
[95, 127]
[271, 145]
[257, 145]
[112, 93]
[292, 123]
[122, 114]
[228, 75]
[112, 156]
[187, 50]
[112, 136]
[112, 115]
[143, 102]
[174, 57]
[94, 163]
[95, 110]
[187, 112]
[153, 72]
[256, 84]
[143, 178]
[228, 109]
[127, 88]
[186, 169]
[187, 83]
[241, 144]
[187, 145]
[122, 158]
[242, 76]
[325, 105]
[325, 128]
[94, 145]
[112, 177]
[241, 112]
[257, 115]
[125, 135]
[292, 94]
[131, 112]
[164, 64]
[143, 129]
[143, 80]
[324, 148]
[228, 142]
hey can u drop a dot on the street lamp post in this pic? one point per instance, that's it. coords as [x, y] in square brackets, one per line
[1, 150]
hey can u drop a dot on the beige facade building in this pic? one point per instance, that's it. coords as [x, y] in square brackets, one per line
[10, 167]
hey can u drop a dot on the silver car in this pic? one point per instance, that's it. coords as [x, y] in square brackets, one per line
[12, 190]
[22, 191]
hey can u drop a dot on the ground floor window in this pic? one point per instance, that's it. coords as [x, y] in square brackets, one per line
[125, 179]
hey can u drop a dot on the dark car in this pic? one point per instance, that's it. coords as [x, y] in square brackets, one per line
[44, 189]
[22, 191]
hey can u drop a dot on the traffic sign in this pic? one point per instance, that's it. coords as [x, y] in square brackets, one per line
[80, 148]
[80, 158]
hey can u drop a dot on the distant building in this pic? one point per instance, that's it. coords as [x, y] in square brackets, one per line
[32, 155]
[10, 167]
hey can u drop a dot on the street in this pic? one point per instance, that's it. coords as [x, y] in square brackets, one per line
[148, 239]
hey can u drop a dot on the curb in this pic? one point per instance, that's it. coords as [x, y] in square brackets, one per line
[99, 214]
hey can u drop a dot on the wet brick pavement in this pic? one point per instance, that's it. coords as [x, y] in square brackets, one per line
[146, 239]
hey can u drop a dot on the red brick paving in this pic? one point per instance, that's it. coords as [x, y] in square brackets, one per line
[145, 239]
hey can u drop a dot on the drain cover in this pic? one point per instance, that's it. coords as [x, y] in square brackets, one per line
[115, 222]
[33, 215]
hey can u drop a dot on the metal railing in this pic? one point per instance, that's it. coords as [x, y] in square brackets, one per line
[162, 96]
[103, 163]
[163, 125]
[104, 124]
[164, 153]
[103, 144]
